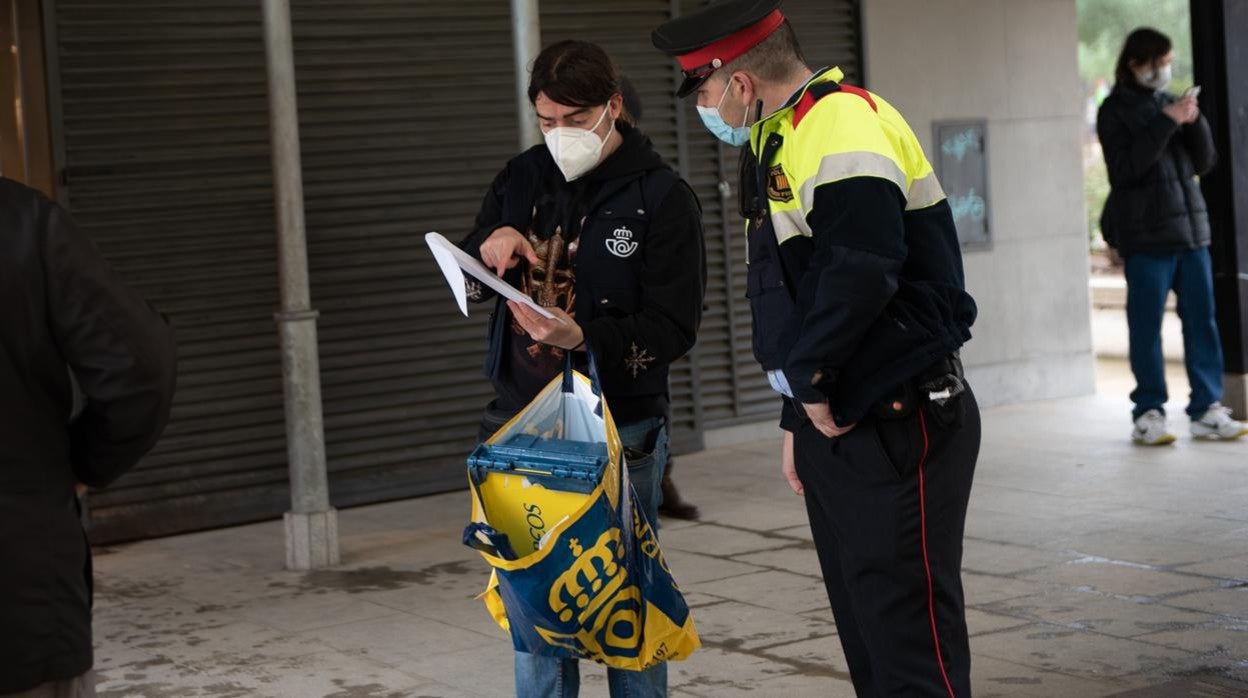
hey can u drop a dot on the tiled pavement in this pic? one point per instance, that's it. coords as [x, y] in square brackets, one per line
[1092, 568]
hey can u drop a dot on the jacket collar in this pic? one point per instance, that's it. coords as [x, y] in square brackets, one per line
[831, 74]
[1136, 93]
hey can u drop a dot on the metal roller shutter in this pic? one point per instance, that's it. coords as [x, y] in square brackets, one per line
[165, 156]
[830, 32]
[166, 162]
[406, 114]
[623, 29]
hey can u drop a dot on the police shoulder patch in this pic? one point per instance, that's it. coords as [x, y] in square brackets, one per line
[778, 188]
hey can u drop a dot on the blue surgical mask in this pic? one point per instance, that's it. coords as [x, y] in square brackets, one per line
[714, 122]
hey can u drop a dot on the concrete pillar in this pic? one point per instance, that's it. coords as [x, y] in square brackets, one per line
[526, 39]
[311, 524]
[1220, 53]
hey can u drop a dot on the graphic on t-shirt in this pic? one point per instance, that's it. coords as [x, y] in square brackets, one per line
[551, 282]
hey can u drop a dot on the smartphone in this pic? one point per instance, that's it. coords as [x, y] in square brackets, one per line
[1193, 92]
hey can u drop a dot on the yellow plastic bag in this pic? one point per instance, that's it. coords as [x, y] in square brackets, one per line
[576, 573]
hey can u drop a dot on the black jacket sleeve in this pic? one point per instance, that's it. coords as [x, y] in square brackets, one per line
[673, 282]
[1199, 141]
[120, 350]
[1129, 154]
[508, 202]
[489, 216]
[859, 237]
[790, 419]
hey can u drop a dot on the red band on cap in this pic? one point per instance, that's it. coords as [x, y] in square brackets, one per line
[734, 45]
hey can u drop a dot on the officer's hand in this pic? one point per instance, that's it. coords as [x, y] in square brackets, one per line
[79, 489]
[563, 332]
[504, 248]
[821, 416]
[788, 465]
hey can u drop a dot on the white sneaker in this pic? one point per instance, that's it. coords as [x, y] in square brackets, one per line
[1217, 425]
[1150, 430]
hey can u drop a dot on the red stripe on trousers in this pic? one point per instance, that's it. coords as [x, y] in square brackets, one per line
[931, 592]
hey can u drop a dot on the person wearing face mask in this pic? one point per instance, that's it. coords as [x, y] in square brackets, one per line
[1155, 146]
[856, 288]
[597, 229]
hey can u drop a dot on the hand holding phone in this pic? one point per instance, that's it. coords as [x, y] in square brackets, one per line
[1193, 92]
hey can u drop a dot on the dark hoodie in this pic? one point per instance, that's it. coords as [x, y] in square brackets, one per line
[622, 251]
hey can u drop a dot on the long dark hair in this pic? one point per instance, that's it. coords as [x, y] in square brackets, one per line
[1143, 46]
[578, 74]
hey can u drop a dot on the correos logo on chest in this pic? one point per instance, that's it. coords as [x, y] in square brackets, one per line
[622, 244]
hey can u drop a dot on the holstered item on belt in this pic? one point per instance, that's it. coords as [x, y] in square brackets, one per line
[942, 381]
[942, 386]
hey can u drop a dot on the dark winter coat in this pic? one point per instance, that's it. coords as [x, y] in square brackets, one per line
[65, 312]
[1155, 204]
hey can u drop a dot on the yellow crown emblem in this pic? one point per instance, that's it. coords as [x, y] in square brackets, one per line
[592, 578]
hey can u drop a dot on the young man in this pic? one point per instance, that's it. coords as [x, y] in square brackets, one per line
[856, 286]
[594, 226]
[67, 318]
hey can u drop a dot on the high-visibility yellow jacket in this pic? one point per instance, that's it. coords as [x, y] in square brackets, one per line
[855, 272]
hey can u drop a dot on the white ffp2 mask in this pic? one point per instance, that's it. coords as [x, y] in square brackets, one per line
[577, 150]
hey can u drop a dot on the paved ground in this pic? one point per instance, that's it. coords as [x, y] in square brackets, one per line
[1092, 568]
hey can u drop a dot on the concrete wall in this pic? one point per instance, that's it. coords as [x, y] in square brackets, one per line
[1014, 63]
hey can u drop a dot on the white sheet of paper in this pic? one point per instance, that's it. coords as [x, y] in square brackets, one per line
[454, 262]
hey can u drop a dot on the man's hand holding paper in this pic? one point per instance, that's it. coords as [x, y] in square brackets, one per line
[454, 262]
[561, 332]
[505, 248]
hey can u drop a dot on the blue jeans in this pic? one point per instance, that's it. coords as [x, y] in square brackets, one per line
[553, 677]
[1149, 278]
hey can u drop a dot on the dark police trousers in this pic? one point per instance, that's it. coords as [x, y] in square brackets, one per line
[887, 505]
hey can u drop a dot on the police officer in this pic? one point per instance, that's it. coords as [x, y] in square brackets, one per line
[856, 287]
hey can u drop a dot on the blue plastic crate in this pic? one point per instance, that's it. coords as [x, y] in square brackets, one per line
[570, 466]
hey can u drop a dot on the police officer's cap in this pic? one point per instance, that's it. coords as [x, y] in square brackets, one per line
[711, 38]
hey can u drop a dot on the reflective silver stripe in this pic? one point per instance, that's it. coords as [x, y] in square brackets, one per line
[859, 163]
[924, 192]
[789, 223]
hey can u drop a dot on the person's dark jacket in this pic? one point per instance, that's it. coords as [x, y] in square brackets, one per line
[1155, 204]
[639, 309]
[65, 313]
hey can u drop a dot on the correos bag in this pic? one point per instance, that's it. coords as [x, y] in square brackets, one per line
[577, 568]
